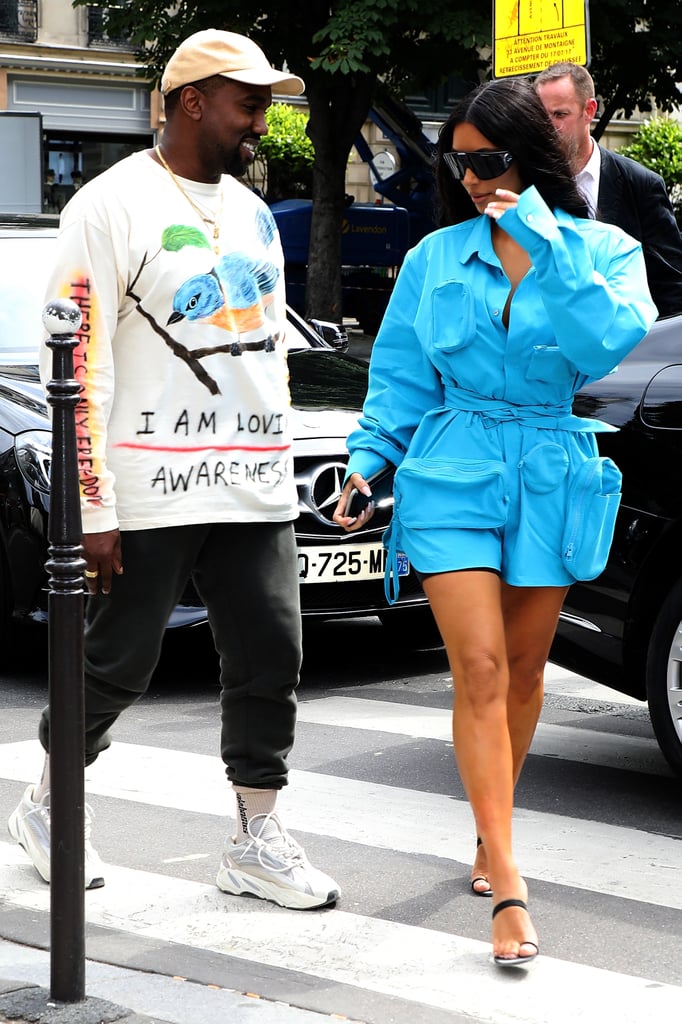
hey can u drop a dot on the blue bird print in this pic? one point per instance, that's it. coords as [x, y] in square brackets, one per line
[230, 296]
[266, 226]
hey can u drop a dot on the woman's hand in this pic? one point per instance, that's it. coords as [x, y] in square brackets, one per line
[507, 201]
[351, 523]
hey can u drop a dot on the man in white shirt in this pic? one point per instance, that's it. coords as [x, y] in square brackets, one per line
[179, 273]
[618, 190]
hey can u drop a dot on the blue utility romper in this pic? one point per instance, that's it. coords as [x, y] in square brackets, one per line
[493, 469]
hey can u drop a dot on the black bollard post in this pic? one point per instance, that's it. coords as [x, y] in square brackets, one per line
[65, 567]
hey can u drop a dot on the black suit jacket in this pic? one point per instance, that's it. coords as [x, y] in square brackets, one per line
[636, 199]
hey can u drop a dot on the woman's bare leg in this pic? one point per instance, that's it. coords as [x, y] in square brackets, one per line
[529, 615]
[472, 609]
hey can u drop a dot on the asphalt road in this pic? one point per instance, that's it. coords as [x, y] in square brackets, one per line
[376, 801]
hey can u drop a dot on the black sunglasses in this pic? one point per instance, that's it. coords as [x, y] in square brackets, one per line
[485, 164]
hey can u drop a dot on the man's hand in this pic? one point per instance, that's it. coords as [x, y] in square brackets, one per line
[103, 557]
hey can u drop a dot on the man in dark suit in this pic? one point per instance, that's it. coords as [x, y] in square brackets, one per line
[618, 190]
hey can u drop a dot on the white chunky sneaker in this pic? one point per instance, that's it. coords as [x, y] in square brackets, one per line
[29, 825]
[272, 866]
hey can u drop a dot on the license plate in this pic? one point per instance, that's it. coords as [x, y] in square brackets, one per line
[333, 564]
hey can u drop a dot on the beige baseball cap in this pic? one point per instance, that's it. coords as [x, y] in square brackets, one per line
[213, 52]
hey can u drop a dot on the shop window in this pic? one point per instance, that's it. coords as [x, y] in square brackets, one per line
[76, 157]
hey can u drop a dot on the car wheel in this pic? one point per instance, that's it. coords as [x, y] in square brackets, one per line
[664, 678]
[412, 627]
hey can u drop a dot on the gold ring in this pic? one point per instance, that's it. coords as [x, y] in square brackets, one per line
[91, 575]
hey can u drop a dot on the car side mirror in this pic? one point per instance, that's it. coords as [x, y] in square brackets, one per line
[334, 334]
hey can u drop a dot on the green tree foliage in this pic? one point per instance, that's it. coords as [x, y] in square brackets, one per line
[636, 56]
[658, 145]
[347, 50]
[287, 154]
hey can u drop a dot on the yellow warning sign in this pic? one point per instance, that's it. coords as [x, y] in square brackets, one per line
[529, 35]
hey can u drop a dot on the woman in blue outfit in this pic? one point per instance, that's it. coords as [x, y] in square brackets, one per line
[501, 500]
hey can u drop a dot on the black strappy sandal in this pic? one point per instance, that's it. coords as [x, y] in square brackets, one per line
[515, 961]
[480, 878]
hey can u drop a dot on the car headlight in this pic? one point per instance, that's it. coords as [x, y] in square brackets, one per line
[33, 452]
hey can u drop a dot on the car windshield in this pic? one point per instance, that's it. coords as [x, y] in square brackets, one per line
[26, 263]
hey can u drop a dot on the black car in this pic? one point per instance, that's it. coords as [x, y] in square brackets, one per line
[341, 575]
[624, 629]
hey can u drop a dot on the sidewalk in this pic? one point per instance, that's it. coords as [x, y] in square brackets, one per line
[116, 995]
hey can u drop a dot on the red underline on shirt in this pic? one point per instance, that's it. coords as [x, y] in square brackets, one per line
[205, 448]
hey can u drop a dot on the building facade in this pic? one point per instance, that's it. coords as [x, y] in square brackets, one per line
[73, 102]
[82, 92]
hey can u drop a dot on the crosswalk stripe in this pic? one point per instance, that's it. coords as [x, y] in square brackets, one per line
[602, 749]
[416, 964]
[631, 864]
[560, 681]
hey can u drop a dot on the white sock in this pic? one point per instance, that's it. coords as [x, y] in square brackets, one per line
[251, 802]
[43, 786]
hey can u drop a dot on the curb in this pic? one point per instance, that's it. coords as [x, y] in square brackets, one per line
[29, 1004]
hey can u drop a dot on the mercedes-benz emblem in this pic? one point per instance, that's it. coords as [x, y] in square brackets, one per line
[325, 489]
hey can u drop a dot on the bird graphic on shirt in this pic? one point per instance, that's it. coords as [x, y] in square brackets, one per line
[229, 296]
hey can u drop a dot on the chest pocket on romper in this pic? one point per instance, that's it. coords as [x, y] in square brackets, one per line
[549, 364]
[447, 493]
[445, 319]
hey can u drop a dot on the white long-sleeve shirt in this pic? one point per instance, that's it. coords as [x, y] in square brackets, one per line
[184, 415]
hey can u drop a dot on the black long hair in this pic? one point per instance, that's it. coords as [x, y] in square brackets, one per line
[511, 116]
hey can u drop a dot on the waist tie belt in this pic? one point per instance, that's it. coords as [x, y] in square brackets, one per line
[497, 410]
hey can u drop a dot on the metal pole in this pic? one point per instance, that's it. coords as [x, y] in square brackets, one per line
[65, 566]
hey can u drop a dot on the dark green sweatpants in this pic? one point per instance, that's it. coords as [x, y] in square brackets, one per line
[247, 578]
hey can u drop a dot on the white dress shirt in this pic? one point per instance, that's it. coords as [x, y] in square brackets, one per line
[587, 180]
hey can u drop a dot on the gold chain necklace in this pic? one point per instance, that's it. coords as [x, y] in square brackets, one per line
[212, 221]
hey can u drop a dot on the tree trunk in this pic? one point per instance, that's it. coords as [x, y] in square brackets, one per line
[338, 109]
